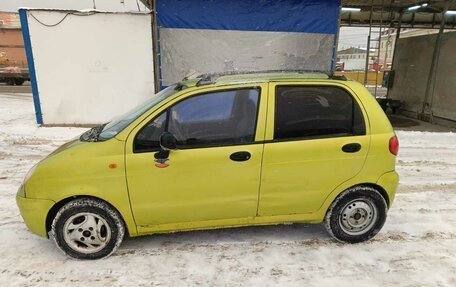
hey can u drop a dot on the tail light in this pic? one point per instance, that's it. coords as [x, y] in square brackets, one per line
[394, 145]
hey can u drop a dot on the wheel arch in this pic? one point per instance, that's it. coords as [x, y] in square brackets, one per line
[58, 205]
[375, 186]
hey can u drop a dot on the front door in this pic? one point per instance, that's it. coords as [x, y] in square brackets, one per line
[215, 171]
[316, 139]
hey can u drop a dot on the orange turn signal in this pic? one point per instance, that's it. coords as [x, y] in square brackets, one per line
[112, 165]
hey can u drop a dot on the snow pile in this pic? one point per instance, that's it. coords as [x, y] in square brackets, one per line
[417, 246]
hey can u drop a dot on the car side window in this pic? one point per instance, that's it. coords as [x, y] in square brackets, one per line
[220, 118]
[148, 139]
[316, 112]
[211, 119]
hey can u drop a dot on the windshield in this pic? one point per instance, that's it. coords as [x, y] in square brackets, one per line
[118, 124]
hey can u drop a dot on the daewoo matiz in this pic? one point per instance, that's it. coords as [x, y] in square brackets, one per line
[220, 151]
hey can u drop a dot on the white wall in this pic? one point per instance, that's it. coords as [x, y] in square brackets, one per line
[103, 5]
[354, 64]
[412, 64]
[91, 68]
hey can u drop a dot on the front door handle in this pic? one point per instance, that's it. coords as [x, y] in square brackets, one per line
[240, 156]
[351, 147]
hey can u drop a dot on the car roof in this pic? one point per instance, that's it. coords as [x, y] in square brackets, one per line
[232, 78]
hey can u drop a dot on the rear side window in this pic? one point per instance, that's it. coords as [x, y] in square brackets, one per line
[316, 112]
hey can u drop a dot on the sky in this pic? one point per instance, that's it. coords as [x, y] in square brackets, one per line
[353, 37]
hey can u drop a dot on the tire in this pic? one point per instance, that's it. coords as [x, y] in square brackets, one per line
[87, 229]
[356, 215]
[19, 82]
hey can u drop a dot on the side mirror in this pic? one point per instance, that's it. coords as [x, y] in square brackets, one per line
[168, 141]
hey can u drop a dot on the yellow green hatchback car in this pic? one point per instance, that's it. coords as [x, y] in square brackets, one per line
[220, 151]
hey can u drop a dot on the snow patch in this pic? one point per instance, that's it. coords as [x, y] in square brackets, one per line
[416, 246]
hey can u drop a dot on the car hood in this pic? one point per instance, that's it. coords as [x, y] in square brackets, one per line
[72, 143]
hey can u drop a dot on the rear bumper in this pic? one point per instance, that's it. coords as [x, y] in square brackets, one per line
[34, 213]
[389, 182]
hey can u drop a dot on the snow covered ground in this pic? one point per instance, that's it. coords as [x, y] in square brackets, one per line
[417, 246]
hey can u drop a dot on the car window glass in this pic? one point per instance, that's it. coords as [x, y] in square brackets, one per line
[211, 119]
[149, 136]
[220, 118]
[117, 125]
[208, 108]
[309, 112]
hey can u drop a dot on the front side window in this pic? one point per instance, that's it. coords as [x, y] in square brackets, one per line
[211, 119]
[120, 123]
[316, 112]
[149, 137]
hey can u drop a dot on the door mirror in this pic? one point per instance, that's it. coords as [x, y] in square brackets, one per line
[168, 141]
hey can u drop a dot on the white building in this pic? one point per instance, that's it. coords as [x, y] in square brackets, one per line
[354, 59]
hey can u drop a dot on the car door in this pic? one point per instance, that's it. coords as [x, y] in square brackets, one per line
[317, 138]
[215, 171]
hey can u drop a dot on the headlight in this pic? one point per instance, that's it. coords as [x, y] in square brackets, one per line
[29, 173]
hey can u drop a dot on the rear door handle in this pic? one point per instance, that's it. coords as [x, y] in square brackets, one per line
[351, 147]
[240, 156]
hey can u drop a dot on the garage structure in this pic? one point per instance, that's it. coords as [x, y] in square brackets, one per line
[435, 90]
[382, 14]
[108, 66]
[219, 36]
[422, 87]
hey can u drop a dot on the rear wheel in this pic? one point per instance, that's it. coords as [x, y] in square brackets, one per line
[87, 229]
[356, 215]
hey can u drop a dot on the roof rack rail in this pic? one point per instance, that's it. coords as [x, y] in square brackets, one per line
[338, 77]
[210, 78]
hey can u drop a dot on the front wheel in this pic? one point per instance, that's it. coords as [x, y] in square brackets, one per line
[356, 215]
[87, 229]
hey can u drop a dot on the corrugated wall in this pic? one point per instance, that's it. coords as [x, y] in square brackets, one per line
[412, 65]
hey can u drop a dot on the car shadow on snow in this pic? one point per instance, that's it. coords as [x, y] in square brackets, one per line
[301, 233]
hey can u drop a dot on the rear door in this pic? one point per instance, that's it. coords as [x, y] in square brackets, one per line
[316, 139]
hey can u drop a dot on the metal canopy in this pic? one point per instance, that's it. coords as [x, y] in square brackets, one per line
[428, 16]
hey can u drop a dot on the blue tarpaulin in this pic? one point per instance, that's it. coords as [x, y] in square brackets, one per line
[206, 36]
[309, 16]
